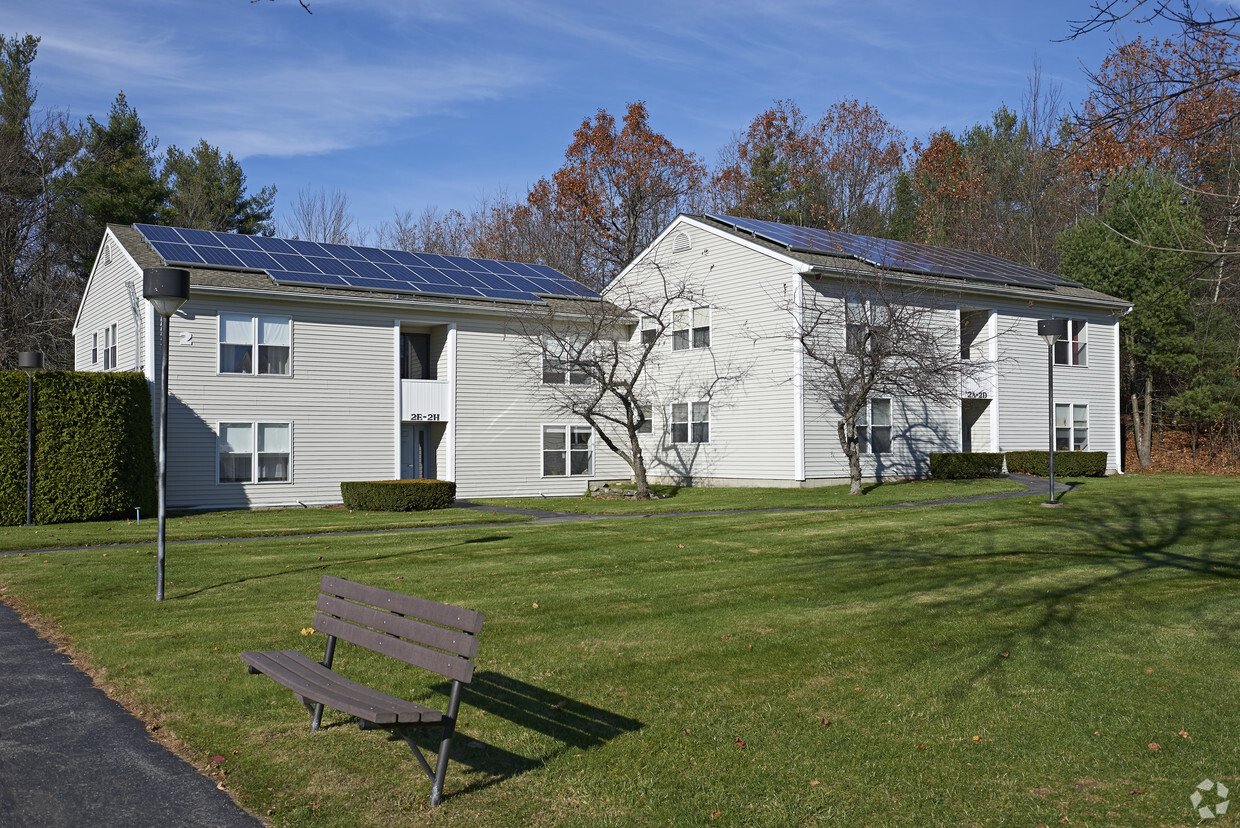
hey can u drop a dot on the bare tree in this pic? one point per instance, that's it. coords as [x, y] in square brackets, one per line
[869, 333]
[322, 216]
[598, 359]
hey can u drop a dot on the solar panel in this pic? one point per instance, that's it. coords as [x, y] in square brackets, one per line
[298, 262]
[898, 255]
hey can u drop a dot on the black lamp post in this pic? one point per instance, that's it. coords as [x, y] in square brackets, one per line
[166, 288]
[1051, 331]
[30, 361]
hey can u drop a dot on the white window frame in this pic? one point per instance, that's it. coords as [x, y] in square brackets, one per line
[1074, 347]
[567, 430]
[646, 427]
[255, 320]
[551, 365]
[696, 426]
[109, 347]
[856, 328]
[254, 432]
[94, 348]
[693, 332]
[866, 426]
[649, 331]
[1070, 425]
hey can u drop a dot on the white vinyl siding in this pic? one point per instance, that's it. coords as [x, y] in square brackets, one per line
[110, 306]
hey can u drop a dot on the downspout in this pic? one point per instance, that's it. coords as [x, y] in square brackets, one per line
[798, 384]
[1119, 404]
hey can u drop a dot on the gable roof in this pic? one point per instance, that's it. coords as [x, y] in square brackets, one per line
[828, 250]
[537, 283]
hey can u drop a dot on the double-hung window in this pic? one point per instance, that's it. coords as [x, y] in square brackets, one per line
[647, 426]
[109, 347]
[650, 330]
[255, 344]
[1071, 427]
[255, 452]
[568, 450]
[866, 325]
[562, 363]
[874, 427]
[1071, 351]
[690, 328]
[691, 422]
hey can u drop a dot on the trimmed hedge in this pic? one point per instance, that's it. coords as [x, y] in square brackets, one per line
[94, 454]
[398, 495]
[1067, 463]
[965, 465]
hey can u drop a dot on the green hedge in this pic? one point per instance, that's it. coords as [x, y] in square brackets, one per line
[965, 465]
[1067, 463]
[398, 495]
[94, 455]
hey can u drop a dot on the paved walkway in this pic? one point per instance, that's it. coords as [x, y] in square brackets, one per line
[70, 756]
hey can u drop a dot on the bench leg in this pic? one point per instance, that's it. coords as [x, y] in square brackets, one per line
[317, 718]
[445, 744]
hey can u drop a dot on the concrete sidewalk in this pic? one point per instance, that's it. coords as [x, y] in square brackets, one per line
[70, 756]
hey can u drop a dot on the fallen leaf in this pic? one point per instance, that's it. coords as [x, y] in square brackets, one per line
[680, 546]
[1004, 655]
[826, 722]
[559, 705]
[1183, 734]
[921, 747]
[814, 783]
[1149, 671]
[307, 630]
[535, 605]
[977, 738]
[1136, 791]
[858, 689]
[217, 759]
[1154, 746]
[716, 814]
[739, 743]
[1096, 733]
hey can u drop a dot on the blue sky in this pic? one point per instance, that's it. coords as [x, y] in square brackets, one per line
[403, 104]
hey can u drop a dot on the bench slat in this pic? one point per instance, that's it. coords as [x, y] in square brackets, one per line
[454, 641]
[311, 680]
[446, 664]
[444, 614]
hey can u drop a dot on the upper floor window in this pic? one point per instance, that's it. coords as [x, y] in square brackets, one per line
[242, 337]
[650, 330]
[874, 427]
[865, 325]
[1071, 351]
[690, 328]
[562, 363]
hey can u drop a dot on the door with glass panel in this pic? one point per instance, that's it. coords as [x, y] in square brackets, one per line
[414, 442]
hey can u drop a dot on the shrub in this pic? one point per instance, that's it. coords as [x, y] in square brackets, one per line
[398, 495]
[965, 465]
[1067, 463]
[94, 454]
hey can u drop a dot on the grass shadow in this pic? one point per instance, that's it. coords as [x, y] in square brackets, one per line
[571, 724]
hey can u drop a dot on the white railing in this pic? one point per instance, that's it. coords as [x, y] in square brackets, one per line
[424, 401]
[978, 380]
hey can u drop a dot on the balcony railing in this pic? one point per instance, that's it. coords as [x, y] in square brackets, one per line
[424, 401]
[977, 380]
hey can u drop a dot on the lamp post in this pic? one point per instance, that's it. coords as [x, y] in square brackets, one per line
[30, 361]
[1051, 331]
[166, 288]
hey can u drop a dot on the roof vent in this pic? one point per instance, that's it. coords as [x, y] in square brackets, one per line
[682, 242]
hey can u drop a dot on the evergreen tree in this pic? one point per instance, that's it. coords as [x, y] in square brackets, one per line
[207, 192]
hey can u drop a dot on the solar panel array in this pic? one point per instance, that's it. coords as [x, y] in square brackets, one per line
[317, 264]
[897, 255]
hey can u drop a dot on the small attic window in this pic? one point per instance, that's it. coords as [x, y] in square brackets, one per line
[682, 242]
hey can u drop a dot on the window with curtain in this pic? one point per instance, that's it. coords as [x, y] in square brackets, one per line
[255, 452]
[244, 337]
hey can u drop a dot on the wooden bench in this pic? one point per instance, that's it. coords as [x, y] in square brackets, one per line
[437, 637]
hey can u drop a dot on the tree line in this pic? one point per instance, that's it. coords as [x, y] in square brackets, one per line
[1133, 191]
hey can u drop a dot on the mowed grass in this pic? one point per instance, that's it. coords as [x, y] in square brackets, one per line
[991, 664]
[735, 499]
[235, 523]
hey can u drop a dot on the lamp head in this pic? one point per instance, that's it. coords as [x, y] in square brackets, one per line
[167, 288]
[30, 361]
[1052, 330]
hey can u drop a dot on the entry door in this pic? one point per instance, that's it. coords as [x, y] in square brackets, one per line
[413, 446]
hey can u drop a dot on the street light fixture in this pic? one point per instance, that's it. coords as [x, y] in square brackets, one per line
[30, 361]
[166, 288]
[1051, 331]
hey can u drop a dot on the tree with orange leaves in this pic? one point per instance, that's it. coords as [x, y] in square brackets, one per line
[617, 190]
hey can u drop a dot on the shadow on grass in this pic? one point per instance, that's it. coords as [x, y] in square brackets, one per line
[318, 567]
[569, 724]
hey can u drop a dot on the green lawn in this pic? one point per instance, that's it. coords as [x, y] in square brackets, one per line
[729, 499]
[237, 523]
[986, 664]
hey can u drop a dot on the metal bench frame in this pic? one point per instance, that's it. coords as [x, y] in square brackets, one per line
[437, 637]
